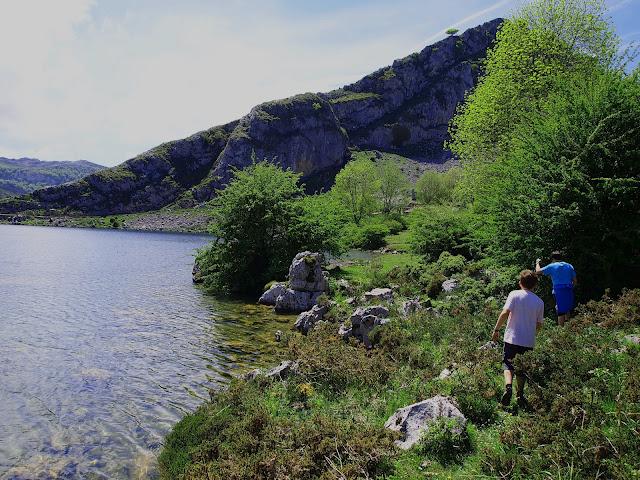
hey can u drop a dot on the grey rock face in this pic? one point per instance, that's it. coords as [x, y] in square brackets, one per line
[305, 273]
[414, 420]
[379, 295]
[363, 320]
[404, 108]
[271, 295]
[307, 320]
[295, 301]
[307, 282]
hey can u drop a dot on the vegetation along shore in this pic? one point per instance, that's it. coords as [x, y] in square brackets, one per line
[394, 375]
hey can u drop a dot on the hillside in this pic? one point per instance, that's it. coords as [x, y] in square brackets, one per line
[403, 109]
[24, 175]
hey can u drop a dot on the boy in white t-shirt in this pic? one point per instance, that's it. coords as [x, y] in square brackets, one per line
[523, 313]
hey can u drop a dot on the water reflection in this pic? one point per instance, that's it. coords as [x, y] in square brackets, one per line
[105, 344]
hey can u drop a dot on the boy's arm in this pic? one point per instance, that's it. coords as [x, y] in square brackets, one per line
[502, 318]
[539, 270]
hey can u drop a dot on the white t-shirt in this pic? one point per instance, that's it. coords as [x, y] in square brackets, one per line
[527, 310]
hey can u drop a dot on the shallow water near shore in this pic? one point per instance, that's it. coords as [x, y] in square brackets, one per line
[106, 343]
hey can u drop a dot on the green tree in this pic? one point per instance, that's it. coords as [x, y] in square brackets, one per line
[356, 187]
[434, 187]
[452, 31]
[548, 41]
[393, 186]
[260, 223]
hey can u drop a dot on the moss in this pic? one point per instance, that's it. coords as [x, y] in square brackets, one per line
[388, 74]
[316, 106]
[266, 116]
[354, 97]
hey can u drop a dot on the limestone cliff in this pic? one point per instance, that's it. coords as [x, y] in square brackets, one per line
[403, 108]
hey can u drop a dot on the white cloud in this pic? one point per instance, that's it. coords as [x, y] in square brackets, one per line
[106, 86]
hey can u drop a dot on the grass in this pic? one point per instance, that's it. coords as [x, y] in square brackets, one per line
[354, 97]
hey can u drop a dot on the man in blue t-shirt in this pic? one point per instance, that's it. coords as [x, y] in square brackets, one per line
[564, 280]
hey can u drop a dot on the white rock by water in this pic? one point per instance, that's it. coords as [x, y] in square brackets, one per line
[271, 295]
[307, 320]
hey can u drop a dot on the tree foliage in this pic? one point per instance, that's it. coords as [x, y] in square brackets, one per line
[356, 187]
[549, 142]
[435, 187]
[393, 186]
[260, 222]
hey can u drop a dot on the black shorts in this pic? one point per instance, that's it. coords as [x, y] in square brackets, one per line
[510, 352]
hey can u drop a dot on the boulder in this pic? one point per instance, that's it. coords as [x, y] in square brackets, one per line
[450, 285]
[363, 320]
[196, 273]
[285, 369]
[271, 295]
[444, 374]
[414, 420]
[282, 371]
[305, 273]
[307, 320]
[379, 295]
[295, 301]
[412, 306]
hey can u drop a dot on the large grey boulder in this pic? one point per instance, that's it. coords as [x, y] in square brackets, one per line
[305, 273]
[295, 301]
[307, 282]
[307, 320]
[363, 320]
[414, 420]
[271, 295]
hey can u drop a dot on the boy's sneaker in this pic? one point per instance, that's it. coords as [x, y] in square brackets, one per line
[506, 397]
[522, 403]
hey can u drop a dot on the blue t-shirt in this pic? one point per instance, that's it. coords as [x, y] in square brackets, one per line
[561, 273]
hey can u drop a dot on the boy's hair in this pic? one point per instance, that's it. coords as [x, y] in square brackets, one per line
[528, 279]
[556, 255]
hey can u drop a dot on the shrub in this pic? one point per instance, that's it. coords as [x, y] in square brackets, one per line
[436, 188]
[436, 230]
[446, 441]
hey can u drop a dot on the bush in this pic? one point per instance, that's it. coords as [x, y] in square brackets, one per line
[446, 441]
[436, 230]
[435, 187]
[260, 222]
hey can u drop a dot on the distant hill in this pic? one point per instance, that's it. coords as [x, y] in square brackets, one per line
[402, 109]
[19, 176]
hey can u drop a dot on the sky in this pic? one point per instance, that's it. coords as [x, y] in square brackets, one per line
[104, 80]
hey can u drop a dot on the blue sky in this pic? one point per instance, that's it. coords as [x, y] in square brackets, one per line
[105, 80]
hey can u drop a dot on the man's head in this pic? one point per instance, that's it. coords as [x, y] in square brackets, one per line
[528, 279]
[556, 255]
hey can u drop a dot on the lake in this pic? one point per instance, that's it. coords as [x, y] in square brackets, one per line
[105, 344]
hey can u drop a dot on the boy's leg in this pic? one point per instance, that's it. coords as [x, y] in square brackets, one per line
[521, 379]
[561, 320]
[507, 361]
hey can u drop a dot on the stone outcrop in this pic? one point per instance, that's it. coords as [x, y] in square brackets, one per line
[413, 306]
[414, 420]
[281, 371]
[449, 285]
[403, 108]
[270, 296]
[306, 283]
[363, 320]
[378, 295]
[307, 320]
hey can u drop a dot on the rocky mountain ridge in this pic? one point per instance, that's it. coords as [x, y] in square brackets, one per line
[404, 108]
[19, 176]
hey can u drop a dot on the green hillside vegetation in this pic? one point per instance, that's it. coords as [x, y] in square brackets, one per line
[549, 147]
[21, 176]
